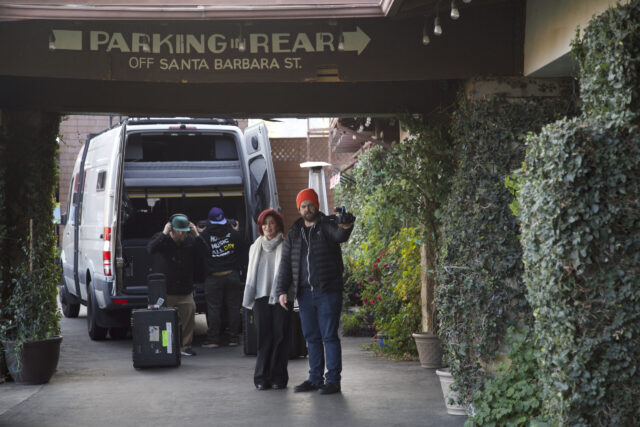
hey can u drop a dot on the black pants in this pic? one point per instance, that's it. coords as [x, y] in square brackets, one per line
[273, 326]
[223, 295]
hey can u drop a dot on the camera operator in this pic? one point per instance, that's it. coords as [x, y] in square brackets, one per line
[311, 270]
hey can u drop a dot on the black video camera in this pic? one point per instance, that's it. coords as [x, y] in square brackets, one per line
[342, 216]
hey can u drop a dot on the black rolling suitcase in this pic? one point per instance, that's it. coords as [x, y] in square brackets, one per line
[249, 333]
[156, 338]
[298, 346]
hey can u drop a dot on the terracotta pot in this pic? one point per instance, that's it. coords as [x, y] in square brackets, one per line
[38, 361]
[429, 349]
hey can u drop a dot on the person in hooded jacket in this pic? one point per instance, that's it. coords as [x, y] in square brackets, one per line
[223, 286]
[272, 321]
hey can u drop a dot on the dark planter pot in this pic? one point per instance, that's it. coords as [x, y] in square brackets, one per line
[38, 361]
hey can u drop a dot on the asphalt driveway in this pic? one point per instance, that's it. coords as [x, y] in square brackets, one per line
[96, 385]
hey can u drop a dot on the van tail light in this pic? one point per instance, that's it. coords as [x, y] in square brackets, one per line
[106, 252]
[120, 301]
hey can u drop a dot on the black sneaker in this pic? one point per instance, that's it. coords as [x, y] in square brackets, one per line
[188, 352]
[306, 386]
[330, 388]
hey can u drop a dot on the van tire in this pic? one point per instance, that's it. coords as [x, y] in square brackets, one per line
[69, 309]
[96, 333]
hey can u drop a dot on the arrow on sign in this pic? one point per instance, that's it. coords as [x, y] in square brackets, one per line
[65, 40]
[356, 40]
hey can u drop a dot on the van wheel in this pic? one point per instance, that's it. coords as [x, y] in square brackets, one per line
[69, 309]
[96, 333]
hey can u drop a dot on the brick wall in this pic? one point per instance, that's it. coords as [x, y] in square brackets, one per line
[287, 154]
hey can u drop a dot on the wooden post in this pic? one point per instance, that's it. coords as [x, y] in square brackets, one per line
[427, 288]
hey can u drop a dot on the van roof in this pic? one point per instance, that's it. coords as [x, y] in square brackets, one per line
[180, 121]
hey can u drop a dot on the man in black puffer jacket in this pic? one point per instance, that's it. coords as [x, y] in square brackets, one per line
[175, 251]
[311, 271]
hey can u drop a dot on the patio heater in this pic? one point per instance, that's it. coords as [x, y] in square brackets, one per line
[317, 182]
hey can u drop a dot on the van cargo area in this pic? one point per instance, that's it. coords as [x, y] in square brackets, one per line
[126, 184]
[165, 173]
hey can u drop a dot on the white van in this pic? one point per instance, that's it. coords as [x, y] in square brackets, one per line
[128, 181]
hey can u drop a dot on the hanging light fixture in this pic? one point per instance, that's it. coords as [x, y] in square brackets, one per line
[242, 46]
[341, 41]
[52, 41]
[425, 34]
[455, 13]
[437, 28]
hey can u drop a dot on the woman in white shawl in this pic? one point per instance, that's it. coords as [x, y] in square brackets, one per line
[272, 321]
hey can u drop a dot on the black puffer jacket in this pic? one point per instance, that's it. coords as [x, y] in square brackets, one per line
[324, 253]
[176, 261]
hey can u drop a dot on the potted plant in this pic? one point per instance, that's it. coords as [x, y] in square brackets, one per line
[30, 329]
[427, 161]
[29, 318]
[427, 342]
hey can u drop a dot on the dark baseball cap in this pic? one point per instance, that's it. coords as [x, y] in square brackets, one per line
[180, 222]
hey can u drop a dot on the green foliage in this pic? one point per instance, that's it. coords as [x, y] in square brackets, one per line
[608, 57]
[514, 396]
[479, 262]
[581, 238]
[513, 183]
[28, 308]
[396, 195]
[32, 307]
[580, 207]
[358, 324]
[423, 165]
[391, 291]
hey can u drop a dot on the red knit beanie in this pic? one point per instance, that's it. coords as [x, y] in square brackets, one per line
[308, 194]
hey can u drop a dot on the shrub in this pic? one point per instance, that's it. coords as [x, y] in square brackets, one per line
[514, 396]
[392, 293]
[581, 238]
[359, 324]
[479, 261]
[608, 57]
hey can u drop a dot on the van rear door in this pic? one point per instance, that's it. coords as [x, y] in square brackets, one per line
[263, 192]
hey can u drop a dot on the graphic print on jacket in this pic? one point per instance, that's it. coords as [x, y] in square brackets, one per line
[225, 245]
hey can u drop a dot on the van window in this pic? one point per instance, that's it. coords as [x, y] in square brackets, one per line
[259, 186]
[70, 208]
[179, 147]
[102, 178]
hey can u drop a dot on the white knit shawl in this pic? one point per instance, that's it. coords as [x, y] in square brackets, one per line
[252, 270]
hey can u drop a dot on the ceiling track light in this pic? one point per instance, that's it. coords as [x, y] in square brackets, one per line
[425, 34]
[437, 28]
[52, 41]
[455, 13]
[242, 45]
